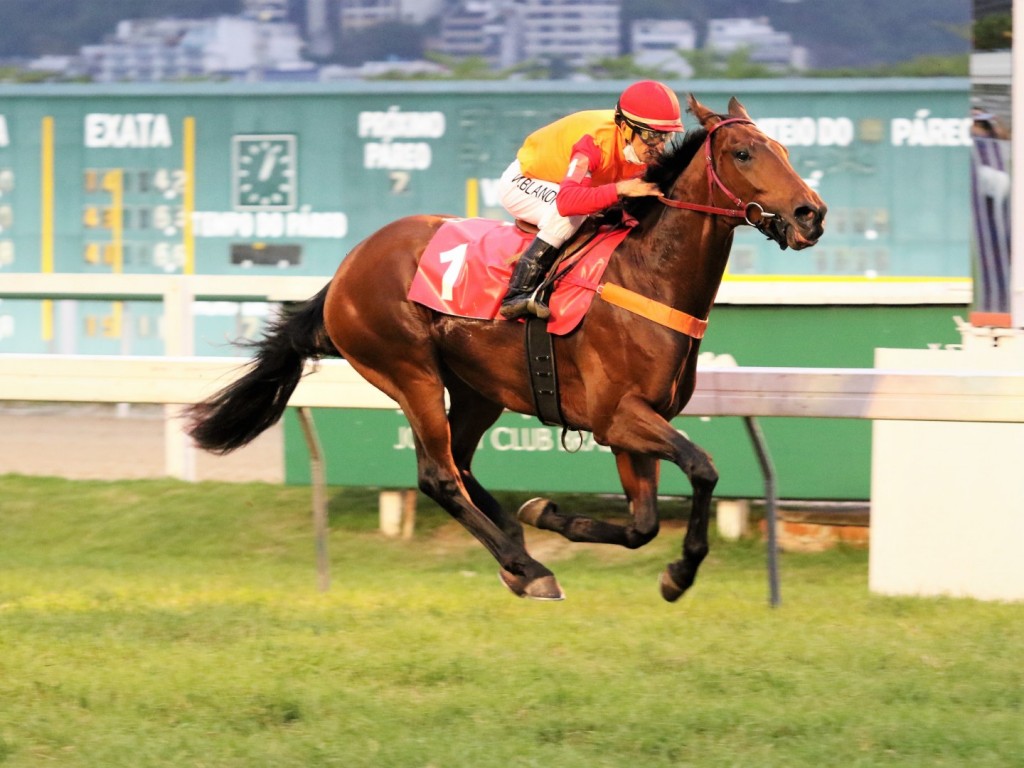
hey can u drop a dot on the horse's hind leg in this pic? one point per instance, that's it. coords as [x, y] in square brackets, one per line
[639, 475]
[469, 417]
[422, 400]
[523, 575]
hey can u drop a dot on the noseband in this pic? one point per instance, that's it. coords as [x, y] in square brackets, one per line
[752, 213]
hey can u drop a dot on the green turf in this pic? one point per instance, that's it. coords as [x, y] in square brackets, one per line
[157, 623]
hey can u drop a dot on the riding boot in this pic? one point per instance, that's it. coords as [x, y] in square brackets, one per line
[520, 300]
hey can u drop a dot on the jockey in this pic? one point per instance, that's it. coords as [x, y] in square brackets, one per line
[576, 166]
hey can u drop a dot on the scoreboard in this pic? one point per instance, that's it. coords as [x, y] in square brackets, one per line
[284, 179]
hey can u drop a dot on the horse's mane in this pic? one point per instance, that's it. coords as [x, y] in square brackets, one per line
[666, 170]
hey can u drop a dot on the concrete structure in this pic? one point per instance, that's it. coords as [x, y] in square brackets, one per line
[319, 28]
[575, 31]
[656, 43]
[360, 14]
[265, 10]
[176, 49]
[485, 29]
[508, 32]
[374, 69]
[146, 49]
[946, 516]
[566, 34]
[238, 45]
[991, 82]
[767, 46]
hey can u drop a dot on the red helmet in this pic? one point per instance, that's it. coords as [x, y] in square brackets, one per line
[651, 104]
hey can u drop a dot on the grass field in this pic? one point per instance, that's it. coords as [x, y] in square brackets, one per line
[157, 623]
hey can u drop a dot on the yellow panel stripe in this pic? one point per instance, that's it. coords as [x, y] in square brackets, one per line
[117, 224]
[472, 198]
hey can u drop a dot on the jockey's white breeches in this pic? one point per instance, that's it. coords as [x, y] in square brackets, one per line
[533, 200]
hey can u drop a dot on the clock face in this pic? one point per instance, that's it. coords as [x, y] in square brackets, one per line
[263, 172]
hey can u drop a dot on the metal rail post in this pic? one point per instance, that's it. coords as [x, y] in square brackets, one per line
[318, 479]
[768, 471]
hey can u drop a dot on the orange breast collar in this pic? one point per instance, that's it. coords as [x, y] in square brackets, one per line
[650, 309]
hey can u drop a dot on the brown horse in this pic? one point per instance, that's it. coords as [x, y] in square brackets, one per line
[622, 376]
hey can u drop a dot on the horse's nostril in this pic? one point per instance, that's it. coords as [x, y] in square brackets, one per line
[810, 216]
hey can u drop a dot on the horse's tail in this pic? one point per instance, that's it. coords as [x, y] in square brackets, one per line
[255, 401]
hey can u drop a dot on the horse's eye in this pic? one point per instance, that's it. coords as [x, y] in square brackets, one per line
[742, 155]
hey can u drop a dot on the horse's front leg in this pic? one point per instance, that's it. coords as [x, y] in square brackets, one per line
[636, 427]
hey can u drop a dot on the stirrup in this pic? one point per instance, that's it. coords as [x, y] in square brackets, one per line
[536, 307]
[524, 305]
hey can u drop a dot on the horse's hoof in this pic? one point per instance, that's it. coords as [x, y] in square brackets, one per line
[531, 511]
[670, 591]
[544, 588]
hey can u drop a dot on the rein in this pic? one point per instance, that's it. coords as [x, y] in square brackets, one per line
[751, 213]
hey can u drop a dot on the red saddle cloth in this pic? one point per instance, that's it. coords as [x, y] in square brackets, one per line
[467, 265]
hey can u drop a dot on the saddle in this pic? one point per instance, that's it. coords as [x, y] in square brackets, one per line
[465, 269]
[564, 262]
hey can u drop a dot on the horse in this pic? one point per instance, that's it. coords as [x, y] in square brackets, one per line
[622, 376]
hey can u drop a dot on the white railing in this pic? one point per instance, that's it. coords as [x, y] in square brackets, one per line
[167, 380]
[992, 396]
[128, 286]
[178, 293]
[851, 393]
[734, 290]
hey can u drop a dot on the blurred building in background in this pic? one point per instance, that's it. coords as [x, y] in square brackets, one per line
[234, 47]
[360, 14]
[577, 32]
[765, 45]
[659, 44]
[302, 39]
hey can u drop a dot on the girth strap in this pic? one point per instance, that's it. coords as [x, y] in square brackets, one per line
[540, 361]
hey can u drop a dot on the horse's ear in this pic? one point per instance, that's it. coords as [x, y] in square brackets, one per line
[702, 113]
[737, 110]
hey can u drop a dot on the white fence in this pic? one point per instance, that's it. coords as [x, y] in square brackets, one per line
[853, 393]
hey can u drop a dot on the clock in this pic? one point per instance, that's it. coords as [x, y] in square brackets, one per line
[263, 170]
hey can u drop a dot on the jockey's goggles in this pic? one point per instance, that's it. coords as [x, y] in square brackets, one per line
[648, 136]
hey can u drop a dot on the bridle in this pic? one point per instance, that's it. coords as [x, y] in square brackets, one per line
[752, 213]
